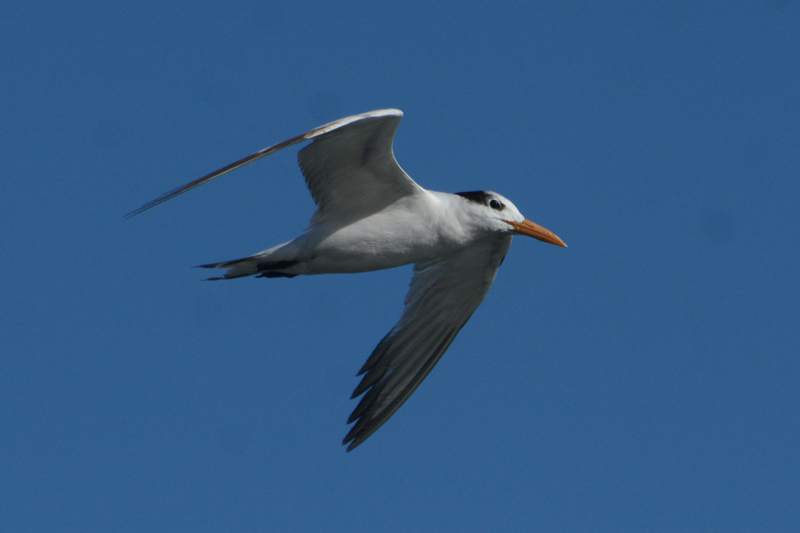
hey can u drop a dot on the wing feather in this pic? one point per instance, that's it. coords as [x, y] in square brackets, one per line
[351, 171]
[376, 151]
[444, 294]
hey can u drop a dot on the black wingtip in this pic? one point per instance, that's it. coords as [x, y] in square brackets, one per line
[351, 442]
[148, 205]
[132, 214]
[357, 435]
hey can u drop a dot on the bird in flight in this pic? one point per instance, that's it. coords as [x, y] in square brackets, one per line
[370, 216]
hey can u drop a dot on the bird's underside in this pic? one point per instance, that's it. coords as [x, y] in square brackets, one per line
[371, 215]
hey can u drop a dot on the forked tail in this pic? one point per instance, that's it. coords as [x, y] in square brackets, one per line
[252, 266]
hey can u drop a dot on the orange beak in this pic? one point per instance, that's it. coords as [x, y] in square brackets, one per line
[536, 231]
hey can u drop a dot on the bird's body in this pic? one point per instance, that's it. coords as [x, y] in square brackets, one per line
[413, 229]
[372, 216]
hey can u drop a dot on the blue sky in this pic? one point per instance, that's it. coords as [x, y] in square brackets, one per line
[644, 379]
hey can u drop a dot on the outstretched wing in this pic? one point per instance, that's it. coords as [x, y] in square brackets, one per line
[361, 143]
[351, 170]
[443, 295]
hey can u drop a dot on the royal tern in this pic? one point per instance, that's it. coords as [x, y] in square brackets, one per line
[370, 216]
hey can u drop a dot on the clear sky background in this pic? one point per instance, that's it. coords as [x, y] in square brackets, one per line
[647, 378]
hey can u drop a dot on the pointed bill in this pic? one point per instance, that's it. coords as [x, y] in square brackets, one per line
[534, 230]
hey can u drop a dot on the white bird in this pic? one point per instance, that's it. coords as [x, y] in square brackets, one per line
[370, 216]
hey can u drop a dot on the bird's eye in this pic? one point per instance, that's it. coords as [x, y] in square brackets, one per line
[495, 204]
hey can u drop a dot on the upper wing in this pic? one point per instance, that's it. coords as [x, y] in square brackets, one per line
[351, 170]
[444, 293]
[366, 138]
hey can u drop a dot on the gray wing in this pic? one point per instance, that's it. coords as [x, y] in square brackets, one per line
[360, 145]
[444, 293]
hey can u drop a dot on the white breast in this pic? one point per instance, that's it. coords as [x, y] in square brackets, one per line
[413, 229]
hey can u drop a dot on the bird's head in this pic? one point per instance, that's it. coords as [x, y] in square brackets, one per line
[503, 216]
